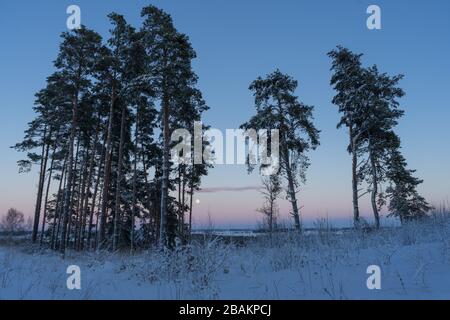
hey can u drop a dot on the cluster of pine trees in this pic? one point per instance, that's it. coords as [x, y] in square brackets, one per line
[368, 102]
[104, 123]
[102, 132]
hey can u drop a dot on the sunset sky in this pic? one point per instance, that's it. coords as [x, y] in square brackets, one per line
[237, 41]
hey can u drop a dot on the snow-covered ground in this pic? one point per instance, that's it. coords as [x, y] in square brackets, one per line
[414, 263]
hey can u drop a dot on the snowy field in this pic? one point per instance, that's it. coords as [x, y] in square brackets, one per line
[414, 262]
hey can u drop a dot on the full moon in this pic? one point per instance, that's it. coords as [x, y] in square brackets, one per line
[197, 201]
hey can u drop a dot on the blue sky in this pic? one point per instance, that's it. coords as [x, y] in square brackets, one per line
[236, 41]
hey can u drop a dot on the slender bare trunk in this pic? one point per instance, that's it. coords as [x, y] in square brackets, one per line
[165, 174]
[183, 200]
[61, 209]
[271, 219]
[107, 172]
[134, 211]
[58, 206]
[354, 179]
[152, 216]
[287, 163]
[191, 192]
[67, 200]
[94, 197]
[291, 190]
[44, 218]
[43, 168]
[117, 213]
[85, 206]
[374, 191]
[180, 210]
[80, 200]
[72, 199]
[97, 224]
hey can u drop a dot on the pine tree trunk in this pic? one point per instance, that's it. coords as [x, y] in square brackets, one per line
[107, 172]
[117, 213]
[80, 202]
[46, 196]
[97, 224]
[183, 192]
[374, 191]
[165, 174]
[58, 207]
[85, 207]
[43, 168]
[61, 208]
[72, 198]
[190, 209]
[356, 221]
[150, 207]
[287, 163]
[271, 219]
[67, 202]
[134, 212]
[179, 200]
[291, 190]
[94, 197]
[134, 200]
